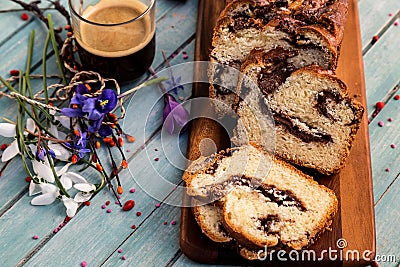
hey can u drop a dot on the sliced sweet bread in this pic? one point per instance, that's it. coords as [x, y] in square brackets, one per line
[209, 218]
[288, 211]
[312, 28]
[210, 178]
[315, 118]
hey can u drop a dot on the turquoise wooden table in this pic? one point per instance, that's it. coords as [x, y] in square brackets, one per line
[149, 234]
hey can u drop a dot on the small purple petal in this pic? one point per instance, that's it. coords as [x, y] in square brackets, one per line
[40, 154]
[81, 89]
[107, 101]
[88, 104]
[95, 125]
[52, 154]
[72, 112]
[180, 115]
[81, 152]
[77, 99]
[170, 104]
[169, 124]
[95, 115]
[105, 131]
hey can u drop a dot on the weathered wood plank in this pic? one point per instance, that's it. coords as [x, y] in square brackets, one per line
[387, 220]
[374, 16]
[14, 51]
[382, 68]
[185, 261]
[383, 155]
[154, 242]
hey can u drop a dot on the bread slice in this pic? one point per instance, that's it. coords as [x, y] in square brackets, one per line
[209, 218]
[315, 119]
[313, 29]
[288, 211]
[210, 178]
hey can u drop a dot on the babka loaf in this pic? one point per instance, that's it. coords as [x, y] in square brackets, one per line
[315, 119]
[287, 210]
[312, 28]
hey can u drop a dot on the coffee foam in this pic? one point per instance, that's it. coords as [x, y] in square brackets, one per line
[115, 41]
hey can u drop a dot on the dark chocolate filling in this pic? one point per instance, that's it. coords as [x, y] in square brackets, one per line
[276, 69]
[312, 135]
[284, 198]
[220, 190]
[322, 104]
[267, 224]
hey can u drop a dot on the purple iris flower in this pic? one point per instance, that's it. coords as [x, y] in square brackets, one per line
[174, 85]
[94, 107]
[173, 113]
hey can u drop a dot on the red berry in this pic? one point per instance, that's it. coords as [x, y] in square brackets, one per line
[133, 226]
[87, 203]
[14, 72]
[128, 205]
[28, 179]
[3, 147]
[138, 213]
[108, 202]
[74, 159]
[375, 39]
[124, 164]
[24, 16]
[380, 105]
[396, 97]
[67, 27]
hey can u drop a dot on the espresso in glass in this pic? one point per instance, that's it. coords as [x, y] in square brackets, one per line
[115, 37]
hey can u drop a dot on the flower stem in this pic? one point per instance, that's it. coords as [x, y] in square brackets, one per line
[44, 68]
[146, 83]
[58, 182]
[163, 90]
[55, 47]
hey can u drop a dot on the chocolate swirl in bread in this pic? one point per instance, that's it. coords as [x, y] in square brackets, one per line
[282, 212]
[316, 120]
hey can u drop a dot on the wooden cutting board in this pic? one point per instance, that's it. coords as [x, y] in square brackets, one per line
[354, 221]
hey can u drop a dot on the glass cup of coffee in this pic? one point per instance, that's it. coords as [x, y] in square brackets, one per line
[115, 38]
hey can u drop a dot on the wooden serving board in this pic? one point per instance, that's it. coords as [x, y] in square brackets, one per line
[354, 221]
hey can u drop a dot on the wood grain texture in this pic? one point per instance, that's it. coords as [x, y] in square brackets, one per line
[387, 219]
[375, 17]
[382, 68]
[385, 159]
[353, 185]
